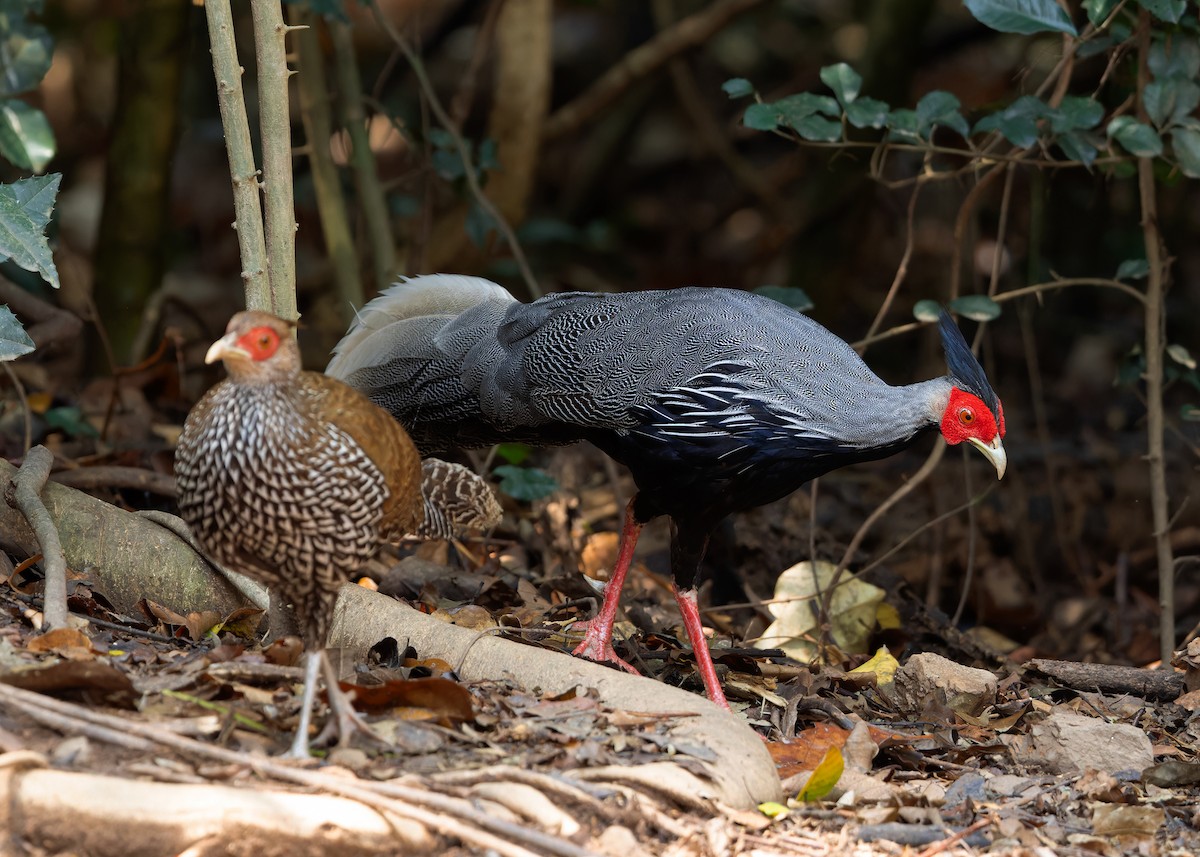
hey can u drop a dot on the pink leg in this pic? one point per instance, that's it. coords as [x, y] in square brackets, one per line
[597, 642]
[686, 598]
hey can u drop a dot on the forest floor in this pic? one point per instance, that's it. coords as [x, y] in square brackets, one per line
[974, 746]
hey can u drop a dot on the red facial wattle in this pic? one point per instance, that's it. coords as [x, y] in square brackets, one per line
[967, 418]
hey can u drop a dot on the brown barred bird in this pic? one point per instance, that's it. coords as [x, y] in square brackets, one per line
[295, 480]
[716, 400]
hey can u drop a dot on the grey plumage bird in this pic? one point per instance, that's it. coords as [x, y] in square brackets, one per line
[716, 400]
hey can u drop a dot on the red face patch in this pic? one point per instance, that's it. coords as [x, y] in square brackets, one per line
[968, 417]
[260, 343]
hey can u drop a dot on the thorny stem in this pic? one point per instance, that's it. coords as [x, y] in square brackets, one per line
[460, 146]
[275, 130]
[247, 210]
[1155, 324]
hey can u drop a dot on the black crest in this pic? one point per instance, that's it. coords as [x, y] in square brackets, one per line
[965, 370]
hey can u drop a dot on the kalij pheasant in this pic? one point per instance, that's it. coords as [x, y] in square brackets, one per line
[716, 400]
[295, 479]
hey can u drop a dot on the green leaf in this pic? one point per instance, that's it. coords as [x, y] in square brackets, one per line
[737, 87]
[440, 138]
[69, 419]
[447, 164]
[14, 341]
[761, 117]
[479, 224]
[867, 113]
[1076, 113]
[818, 128]
[1185, 146]
[903, 126]
[514, 453]
[1017, 123]
[1135, 137]
[1133, 269]
[26, 138]
[845, 82]
[824, 778]
[927, 310]
[1099, 10]
[487, 160]
[1078, 147]
[1022, 16]
[25, 208]
[1165, 10]
[976, 307]
[940, 108]
[1170, 100]
[25, 48]
[1178, 58]
[525, 483]
[789, 296]
[793, 108]
[1094, 47]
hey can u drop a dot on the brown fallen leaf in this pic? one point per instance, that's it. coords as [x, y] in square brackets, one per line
[93, 680]
[431, 699]
[69, 643]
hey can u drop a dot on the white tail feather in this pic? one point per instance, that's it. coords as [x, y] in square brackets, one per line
[413, 297]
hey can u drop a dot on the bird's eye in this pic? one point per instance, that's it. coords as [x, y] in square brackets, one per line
[264, 340]
[966, 416]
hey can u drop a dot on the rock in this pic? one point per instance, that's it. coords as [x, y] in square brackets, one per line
[1066, 742]
[965, 689]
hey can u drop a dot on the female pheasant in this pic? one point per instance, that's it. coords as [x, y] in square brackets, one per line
[716, 400]
[295, 480]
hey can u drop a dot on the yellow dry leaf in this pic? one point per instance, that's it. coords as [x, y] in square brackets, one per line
[771, 809]
[882, 664]
[824, 778]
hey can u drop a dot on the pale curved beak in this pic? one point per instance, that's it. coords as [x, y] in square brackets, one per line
[993, 452]
[224, 348]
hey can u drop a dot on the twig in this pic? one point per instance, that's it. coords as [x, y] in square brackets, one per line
[899, 494]
[1036, 288]
[643, 61]
[969, 575]
[275, 131]
[901, 269]
[26, 414]
[113, 476]
[450, 816]
[1155, 324]
[24, 493]
[460, 146]
[318, 130]
[952, 840]
[468, 80]
[247, 211]
[366, 176]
